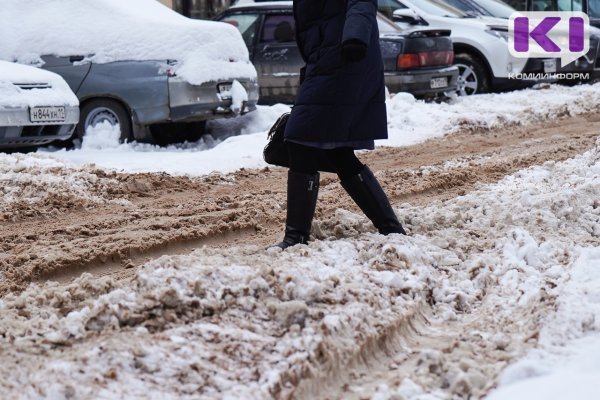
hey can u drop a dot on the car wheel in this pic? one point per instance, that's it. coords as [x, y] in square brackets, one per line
[98, 111]
[472, 75]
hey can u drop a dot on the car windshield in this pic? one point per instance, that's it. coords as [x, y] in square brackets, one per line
[439, 8]
[496, 8]
[468, 7]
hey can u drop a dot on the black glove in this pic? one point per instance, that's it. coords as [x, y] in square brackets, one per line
[353, 50]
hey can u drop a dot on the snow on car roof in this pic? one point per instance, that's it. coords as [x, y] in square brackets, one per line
[23, 86]
[113, 30]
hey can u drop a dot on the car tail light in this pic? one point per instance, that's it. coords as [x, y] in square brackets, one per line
[425, 59]
[408, 61]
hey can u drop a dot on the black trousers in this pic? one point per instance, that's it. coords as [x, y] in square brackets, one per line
[303, 159]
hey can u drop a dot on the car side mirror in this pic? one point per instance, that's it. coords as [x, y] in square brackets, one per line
[406, 15]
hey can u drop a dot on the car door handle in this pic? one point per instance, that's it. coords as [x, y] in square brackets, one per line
[76, 58]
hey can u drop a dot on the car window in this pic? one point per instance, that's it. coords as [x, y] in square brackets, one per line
[594, 8]
[247, 24]
[557, 5]
[278, 28]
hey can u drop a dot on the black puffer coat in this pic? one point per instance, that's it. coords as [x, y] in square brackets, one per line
[338, 101]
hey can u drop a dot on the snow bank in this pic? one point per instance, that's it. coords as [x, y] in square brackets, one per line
[12, 95]
[413, 121]
[232, 144]
[112, 30]
[410, 121]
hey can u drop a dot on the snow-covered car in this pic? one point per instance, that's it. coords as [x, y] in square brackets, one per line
[136, 63]
[480, 45]
[417, 61]
[36, 107]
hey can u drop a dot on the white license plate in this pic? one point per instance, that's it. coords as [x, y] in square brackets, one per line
[549, 65]
[437, 83]
[47, 114]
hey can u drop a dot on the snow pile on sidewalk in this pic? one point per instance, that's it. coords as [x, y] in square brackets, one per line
[225, 323]
[34, 185]
[409, 121]
[231, 144]
[12, 95]
[114, 30]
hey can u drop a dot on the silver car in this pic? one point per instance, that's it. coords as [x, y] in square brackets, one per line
[36, 107]
[146, 99]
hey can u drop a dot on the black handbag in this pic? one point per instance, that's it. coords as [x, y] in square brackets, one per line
[276, 152]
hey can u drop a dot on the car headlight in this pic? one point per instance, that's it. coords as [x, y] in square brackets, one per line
[500, 34]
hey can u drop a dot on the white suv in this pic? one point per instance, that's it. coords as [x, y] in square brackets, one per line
[480, 44]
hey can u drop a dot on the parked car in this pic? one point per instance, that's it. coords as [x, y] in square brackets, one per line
[415, 61]
[138, 64]
[480, 45]
[590, 62]
[36, 107]
[590, 7]
[147, 101]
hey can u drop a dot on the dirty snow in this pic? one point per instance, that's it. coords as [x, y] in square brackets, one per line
[114, 30]
[410, 121]
[11, 95]
[244, 322]
[26, 181]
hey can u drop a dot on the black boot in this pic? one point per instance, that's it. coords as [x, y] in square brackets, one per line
[370, 197]
[302, 191]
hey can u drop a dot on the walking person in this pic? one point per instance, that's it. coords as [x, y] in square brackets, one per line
[340, 108]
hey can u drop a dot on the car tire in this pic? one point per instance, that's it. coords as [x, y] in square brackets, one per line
[473, 77]
[99, 110]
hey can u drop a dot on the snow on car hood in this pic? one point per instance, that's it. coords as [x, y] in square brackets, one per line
[23, 86]
[113, 30]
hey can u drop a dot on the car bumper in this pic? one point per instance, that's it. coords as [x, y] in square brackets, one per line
[418, 82]
[16, 130]
[207, 101]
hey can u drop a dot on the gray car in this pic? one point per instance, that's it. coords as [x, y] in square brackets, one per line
[146, 99]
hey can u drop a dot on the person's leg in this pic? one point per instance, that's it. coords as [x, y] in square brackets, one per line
[302, 192]
[362, 186]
